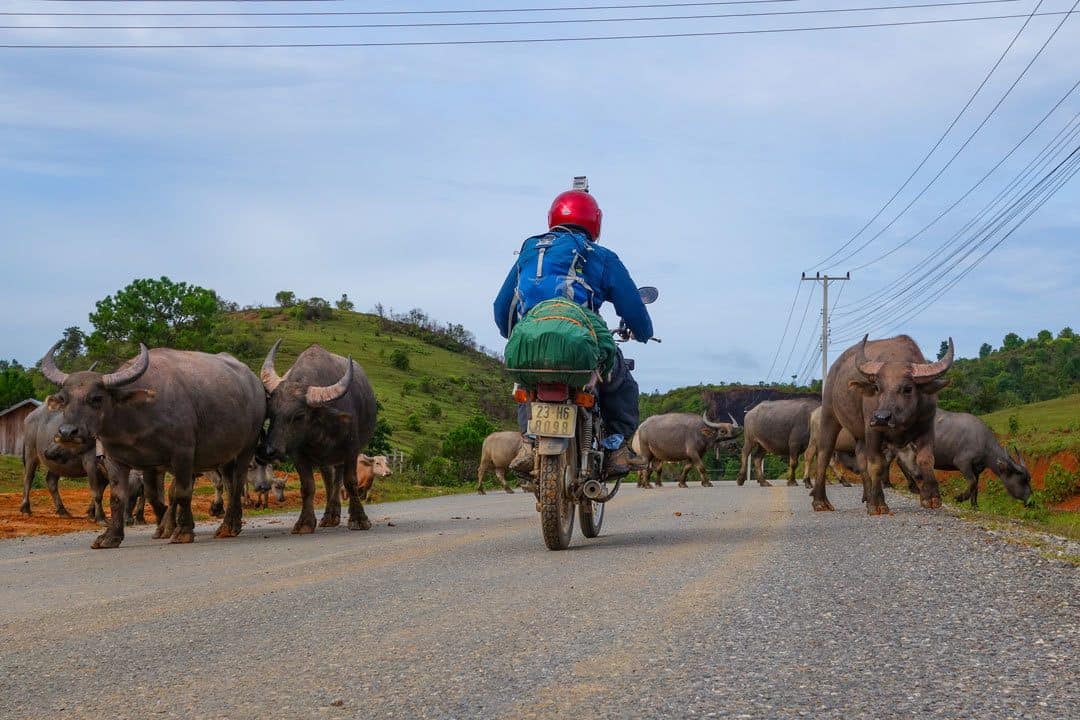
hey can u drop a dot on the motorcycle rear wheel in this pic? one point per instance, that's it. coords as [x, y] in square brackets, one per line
[556, 506]
[591, 515]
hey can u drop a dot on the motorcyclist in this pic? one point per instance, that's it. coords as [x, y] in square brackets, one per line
[577, 212]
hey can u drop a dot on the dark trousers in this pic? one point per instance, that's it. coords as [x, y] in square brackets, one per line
[618, 398]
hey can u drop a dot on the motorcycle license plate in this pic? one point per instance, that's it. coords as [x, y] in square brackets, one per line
[553, 420]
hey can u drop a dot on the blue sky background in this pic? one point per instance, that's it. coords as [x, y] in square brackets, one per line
[408, 176]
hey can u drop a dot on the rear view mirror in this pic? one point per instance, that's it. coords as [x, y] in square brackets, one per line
[648, 294]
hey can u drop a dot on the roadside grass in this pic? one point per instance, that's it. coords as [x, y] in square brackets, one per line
[1042, 428]
[995, 502]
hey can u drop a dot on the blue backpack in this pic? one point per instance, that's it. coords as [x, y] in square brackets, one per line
[551, 266]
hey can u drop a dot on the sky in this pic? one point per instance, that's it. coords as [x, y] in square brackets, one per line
[408, 176]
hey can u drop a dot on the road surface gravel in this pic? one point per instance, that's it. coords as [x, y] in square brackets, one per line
[730, 602]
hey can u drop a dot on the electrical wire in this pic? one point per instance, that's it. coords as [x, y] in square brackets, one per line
[783, 337]
[505, 41]
[502, 23]
[795, 342]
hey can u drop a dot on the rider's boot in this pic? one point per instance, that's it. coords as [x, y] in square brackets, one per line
[622, 461]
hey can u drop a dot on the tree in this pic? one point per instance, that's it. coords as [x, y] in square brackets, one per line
[1012, 341]
[345, 304]
[464, 441]
[1066, 332]
[15, 384]
[72, 343]
[285, 298]
[943, 349]
[400, 359]
[984, 350]
[380, 440]
[159, 313]
[1045, 336]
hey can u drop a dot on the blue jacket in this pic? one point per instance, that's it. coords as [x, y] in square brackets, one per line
[610, 281]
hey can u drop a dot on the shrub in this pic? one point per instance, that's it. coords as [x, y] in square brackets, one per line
[407, 388]
[434, 411]
[399, 359]
[412, 423]
[1014, 425]
[427, 385]
[285, 298]
[1060, 484]
[344, 303]
[464, 441]
[438, 471]
[424, 450]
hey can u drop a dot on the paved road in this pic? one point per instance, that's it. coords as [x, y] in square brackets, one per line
[745, 605]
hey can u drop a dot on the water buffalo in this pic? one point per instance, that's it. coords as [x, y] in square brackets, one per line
[179, 410]
[843, 452]
[322, 414]
[40, 429]
[498, 450]
[963, 442]
[680, 436]
[884, 393]
[777, 427]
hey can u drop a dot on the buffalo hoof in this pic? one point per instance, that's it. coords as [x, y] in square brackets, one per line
[507, 488]
[159, 533]
[105, 540]
[182, 537]
[792, 483]
[91, 510]
[764, 483]
[139, 519]
[845, 483]
[682, 484]
[360, 523]
[480, 491]
[224, 531]
[913, 488]
[823, 505]
[706, 483]
[882, 509]
[807, 484]
[303, 527]
[217, 509]
[931, 503]
[25, 508]
[62, 512]
[740, 482]
[330, 519]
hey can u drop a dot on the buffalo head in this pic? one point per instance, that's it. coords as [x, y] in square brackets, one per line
[299, 413]
[898, 386]
[1014, 475]
[86, 399]
[723, 430]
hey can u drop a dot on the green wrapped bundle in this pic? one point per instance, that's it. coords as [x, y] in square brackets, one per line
[559, 341]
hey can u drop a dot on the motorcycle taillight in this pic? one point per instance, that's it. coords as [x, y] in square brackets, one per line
[552, 392]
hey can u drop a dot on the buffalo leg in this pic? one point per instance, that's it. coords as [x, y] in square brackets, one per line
[182, 488]
[877, 466]
[30, 466]
[655, 467]
[829, 430]
[236, 477]
[306, 522]
[501, 474]
[793, 465]
[971, 474]
[332, 514]
[759, 462]
[218, 479]
[929, 493]
[699, 465]
[154, 492]
[684, 474]
[52, 482]
[358, 519]
[118, 490]
[744, 462]
[98, 479]
[479, 479]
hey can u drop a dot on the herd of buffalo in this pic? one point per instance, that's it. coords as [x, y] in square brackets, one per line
[188, 412]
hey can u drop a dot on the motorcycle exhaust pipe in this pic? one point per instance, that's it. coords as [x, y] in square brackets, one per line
[592, 490]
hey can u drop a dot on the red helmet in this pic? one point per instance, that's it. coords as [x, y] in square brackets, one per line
[576, 207]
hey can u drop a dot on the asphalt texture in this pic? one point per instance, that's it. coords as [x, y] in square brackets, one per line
[733, 602]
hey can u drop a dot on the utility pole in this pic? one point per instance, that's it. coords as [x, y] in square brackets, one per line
[825, 280]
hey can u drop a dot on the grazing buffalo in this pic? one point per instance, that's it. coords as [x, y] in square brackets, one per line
[884, 393]
[963, 442]
[322, 414]
[169, 409]
[843, 452]
[498, 450]
[777, 427]
[77, 460]
[680, 437]
[259, 478]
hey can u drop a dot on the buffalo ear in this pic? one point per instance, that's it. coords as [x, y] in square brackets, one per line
[135, 397]
[864, 386]
[934, 386]
[53, 403]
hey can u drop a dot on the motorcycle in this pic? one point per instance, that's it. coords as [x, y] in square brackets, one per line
[570, 450]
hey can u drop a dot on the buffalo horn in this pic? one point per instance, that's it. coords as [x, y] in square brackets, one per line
[928, 371]
[317, 396]
[49, 369]
[268, 375]
[131, 373]
[733, 420]
[92, 366]
[710, 423]
[867, 367]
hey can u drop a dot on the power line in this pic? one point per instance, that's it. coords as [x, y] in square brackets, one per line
[507, 41]
[787, 324]
[936, 145]
[795, 342]
[973, 133]
[492, 23]
[469, 11]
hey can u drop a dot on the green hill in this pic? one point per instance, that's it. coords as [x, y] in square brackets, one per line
[1040, 428]
[425, 382]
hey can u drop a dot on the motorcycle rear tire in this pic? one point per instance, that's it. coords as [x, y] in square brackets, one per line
[556, 507]
[591, 515]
